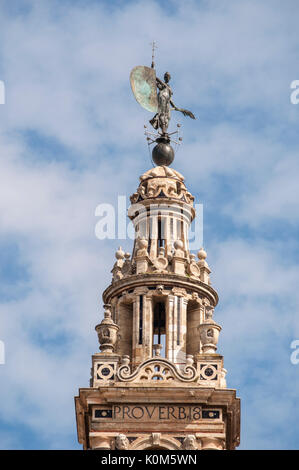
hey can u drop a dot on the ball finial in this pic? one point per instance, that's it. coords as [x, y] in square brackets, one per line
[202, 254]
[163, 153]
[119, 254]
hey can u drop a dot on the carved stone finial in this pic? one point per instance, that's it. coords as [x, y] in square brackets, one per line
[142, 258]
[209, 333]
[203, 266]
[179, 248]
[118, 265]
[119, 254]
[202, 254]
[107, 331]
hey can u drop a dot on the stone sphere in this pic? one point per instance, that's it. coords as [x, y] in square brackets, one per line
[178, 244]
[163, 154]
[119, 254]
[142, 243]
[201, 254]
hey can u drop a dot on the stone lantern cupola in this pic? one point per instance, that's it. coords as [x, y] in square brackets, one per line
[158, 380]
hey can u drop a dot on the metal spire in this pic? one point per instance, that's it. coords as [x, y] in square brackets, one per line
[154, 46]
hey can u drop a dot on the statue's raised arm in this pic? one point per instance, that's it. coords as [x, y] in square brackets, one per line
[185, 112]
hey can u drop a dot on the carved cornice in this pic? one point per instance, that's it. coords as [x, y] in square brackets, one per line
[169, 280]
[162, 182]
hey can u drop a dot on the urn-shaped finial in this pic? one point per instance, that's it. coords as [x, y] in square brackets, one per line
[107, 332]
[209, 333]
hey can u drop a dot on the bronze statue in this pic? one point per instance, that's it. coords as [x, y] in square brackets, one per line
[162, 117]
[144, 85]
[155, 95]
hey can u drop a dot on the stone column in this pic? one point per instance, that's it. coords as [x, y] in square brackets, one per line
[180, 356]
[148, 326]
[135, 354]
[170, 327]
[176, 327]
[139, 325]
[194, 318]
[154, 235]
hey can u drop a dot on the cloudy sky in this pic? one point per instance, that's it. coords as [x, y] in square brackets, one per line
[71, 137]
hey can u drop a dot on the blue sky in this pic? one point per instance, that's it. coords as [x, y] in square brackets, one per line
[71, 137]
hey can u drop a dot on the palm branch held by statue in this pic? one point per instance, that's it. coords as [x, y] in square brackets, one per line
[165, 105]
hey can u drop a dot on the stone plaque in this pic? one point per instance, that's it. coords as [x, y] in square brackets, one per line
[156, 413]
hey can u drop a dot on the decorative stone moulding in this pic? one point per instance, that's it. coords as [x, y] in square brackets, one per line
[125, 361]
[206, 372]
[160, 263]
[203, 266]
[160, 182]
[211, 443]
[157, 369]
[193, 269]
[100, 442]
[107, 332]
[166, 441]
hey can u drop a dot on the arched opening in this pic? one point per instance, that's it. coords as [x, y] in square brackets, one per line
[124, 320]
[194, 318]
[159, 326]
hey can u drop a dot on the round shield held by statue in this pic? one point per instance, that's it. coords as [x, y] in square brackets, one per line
[143, 84]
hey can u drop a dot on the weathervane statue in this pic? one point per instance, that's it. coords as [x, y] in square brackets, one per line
[144, 85]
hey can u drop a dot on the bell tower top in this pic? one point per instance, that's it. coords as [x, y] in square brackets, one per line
[158, 380]
[159, 293]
